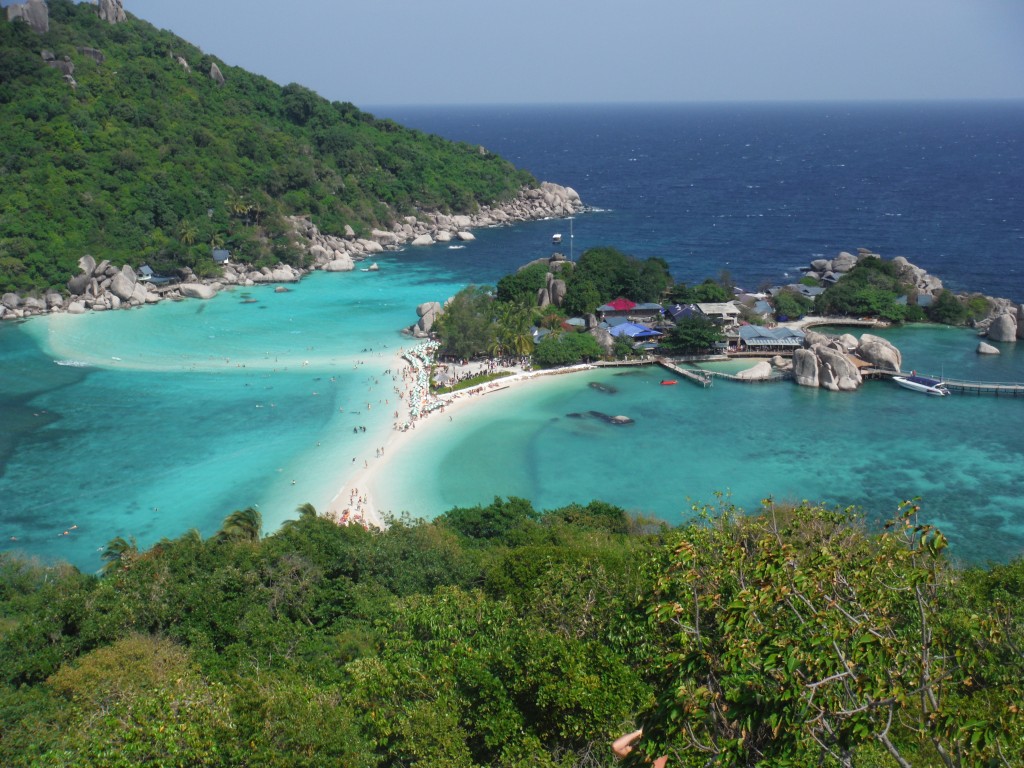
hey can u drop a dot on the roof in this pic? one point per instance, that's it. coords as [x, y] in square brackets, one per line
[619, 305]
[146, 271]
[759, 336]
[649, 306]
[220, 254]
[634, 331]
[679, 310]
[718, 308]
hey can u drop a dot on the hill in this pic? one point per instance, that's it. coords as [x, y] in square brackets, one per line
[127, 142]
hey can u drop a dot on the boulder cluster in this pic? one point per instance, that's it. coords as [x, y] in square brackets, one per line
[36, 13]
[553, 292]
[102, 286]
[1005, 321]
[831, 363]
[831, 270]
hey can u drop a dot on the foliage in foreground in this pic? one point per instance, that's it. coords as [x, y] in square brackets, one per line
[498, 635]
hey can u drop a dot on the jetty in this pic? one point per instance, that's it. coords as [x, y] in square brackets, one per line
[704, 378]
[960, 386]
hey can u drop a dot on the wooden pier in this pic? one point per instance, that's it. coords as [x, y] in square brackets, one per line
[959, 386]
[704, 378]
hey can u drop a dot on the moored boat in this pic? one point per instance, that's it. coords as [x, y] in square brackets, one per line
[669, 382]
[923, 384]
[556, 239]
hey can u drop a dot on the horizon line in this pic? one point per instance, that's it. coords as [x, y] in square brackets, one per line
[705, 102]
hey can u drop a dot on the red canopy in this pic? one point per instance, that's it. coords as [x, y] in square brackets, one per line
[622, 304]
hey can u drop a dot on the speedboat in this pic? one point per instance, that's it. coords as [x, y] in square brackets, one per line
[924, 384]
[669, 382]
[556, 239]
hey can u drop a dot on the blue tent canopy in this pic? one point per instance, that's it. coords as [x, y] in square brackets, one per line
[634, 331]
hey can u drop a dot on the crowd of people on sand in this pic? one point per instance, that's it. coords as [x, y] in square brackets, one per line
[451, 373]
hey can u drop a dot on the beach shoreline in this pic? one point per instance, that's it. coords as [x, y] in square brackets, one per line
[416, 422]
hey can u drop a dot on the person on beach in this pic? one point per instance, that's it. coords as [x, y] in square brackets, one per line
[623, 745]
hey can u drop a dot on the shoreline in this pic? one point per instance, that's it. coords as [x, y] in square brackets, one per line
[356, 500]
[101, 287]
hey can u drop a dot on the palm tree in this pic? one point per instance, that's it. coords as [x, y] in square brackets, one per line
[241, 525]
[187, 232]
[306, 512]
[216, 241]
[119, 553]
[191, 536]
[238, 205]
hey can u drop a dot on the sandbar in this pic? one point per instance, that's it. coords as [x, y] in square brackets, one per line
[355, 502]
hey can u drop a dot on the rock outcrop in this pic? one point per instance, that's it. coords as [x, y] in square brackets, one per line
[805, 368]
[35, 13]
[987, 349]
[831, 270]
[102, 286]
[196, 291]
[758, 372]
[836, 372]
[216, 75]
[428, 313]
[93, 53]
[1004, 328]
[112, 11]
[879, 352]
[603, 337]
[827, 363]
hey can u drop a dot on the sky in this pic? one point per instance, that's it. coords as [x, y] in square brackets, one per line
[431, 52]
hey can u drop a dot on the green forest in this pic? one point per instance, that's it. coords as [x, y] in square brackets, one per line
[143, 160]
[498, 635]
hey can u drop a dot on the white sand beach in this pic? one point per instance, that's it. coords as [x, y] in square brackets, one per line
[418, 419]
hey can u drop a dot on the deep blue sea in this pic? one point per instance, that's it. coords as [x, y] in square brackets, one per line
[150, 422]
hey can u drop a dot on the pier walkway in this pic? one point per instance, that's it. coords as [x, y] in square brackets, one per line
[706, 378]
[960, 386]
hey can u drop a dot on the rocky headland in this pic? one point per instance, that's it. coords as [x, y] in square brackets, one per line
[102, 286]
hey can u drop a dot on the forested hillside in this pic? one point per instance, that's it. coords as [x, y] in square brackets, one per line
[145, 157]
[501, 636]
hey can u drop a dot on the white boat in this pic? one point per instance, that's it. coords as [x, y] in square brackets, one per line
[924, 384]
[556, 239]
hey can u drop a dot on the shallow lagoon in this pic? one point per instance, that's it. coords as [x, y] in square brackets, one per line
[873, 448]
[167, 418]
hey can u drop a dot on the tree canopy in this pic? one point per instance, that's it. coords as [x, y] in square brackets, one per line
[502, 635]
[147, 159]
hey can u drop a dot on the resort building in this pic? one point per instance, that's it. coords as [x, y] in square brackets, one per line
[725, 313]
[634, 331]
[630, 310]
[756, 338]
[680, 311]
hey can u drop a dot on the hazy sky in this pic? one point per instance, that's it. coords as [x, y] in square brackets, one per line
[387, 52]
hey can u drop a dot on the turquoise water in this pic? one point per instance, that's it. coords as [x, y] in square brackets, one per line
[176, 433]
[872, 448]
[167, 418]
[154, 421]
